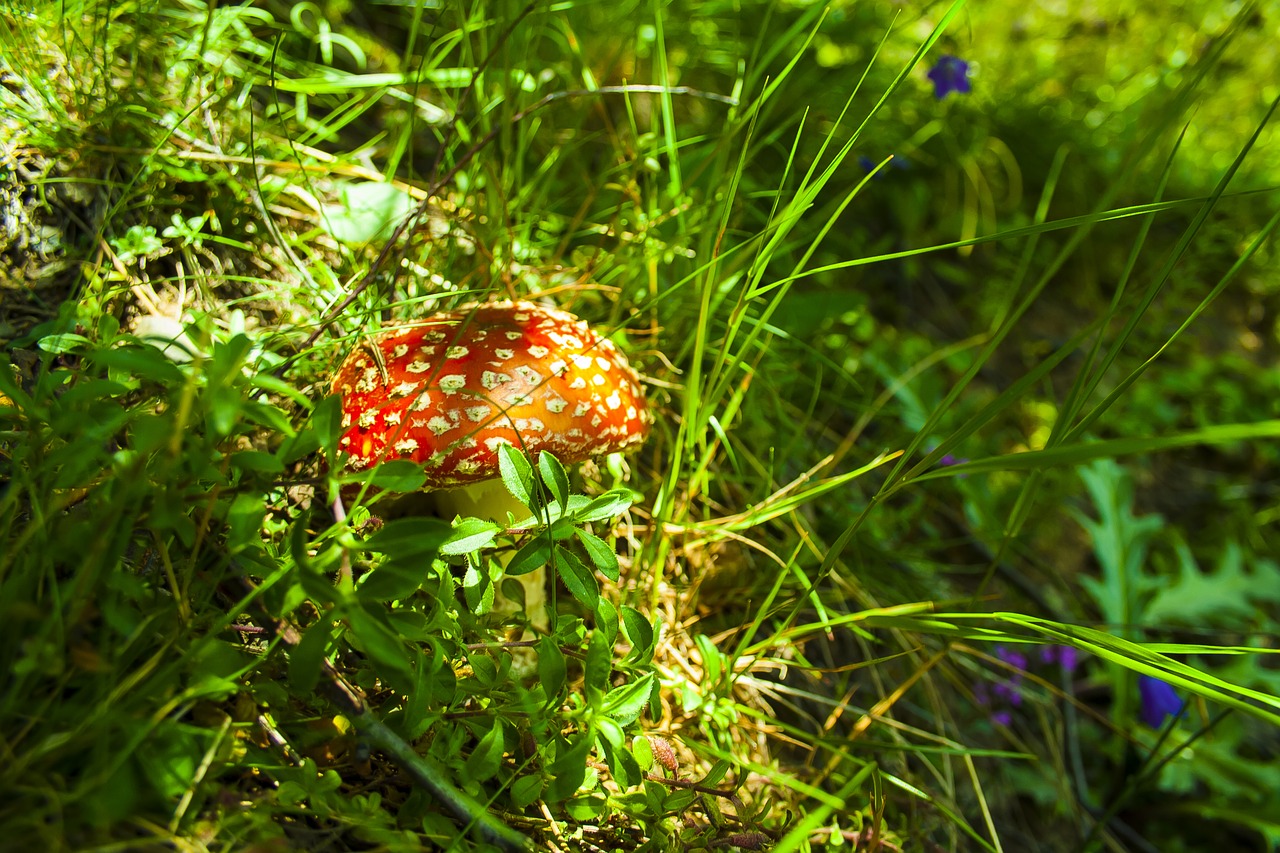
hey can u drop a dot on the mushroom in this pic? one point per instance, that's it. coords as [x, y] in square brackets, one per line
[448, 390]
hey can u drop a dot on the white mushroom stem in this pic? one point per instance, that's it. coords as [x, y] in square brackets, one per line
[489, 500]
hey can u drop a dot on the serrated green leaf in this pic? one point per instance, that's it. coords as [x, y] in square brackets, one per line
[608, 506]
[469, 535]
[485, 759]
[533, 555]
[639, 632]
[625, 704]
[602, 556]
[554, 476]
[517, 475]
[478, 589]
[409, 538]
[578, 579]
[607, 620]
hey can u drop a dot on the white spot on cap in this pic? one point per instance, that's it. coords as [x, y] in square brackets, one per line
[556, 404]
[453, 383]
[346, 419]
[400, 351]
[504, 354]
[581, 409]
[456, 352]
[514, 336]
[528, 374]
[404, 389]
[614, 400]
[583, 362]
[494, 442]
[439, 425]
[578, 383]
[491, 380]
[418, 366]
[558, 366]
[409, 445]
[539, 352]
[422, 403]
[368, 418]
[392, 418]
[476, 414]
[603, 364]
[598, 379]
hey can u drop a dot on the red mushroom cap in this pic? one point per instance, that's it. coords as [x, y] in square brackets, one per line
[449, 390]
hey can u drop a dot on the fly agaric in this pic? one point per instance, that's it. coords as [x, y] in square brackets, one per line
[448, 390]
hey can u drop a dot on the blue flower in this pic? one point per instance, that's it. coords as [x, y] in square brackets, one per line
[949, 74]
[1159, 700]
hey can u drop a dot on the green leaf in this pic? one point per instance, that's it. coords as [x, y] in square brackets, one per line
[1227, 596]
[477, 587]
[602, 556]
[393, 580]
[607, 619]
[367, 211]
[570, 769]
[554, 476]
[578, 579]
[484, 761]
[383, 648]
[398, 475]
[517, 475]
[598, 668]
[551, 668]
[625, 704]
[306, 657]
[64, 343]
[639, 631]
[256, 461]
[326, 420]
[469, 535]
[409, 538]
[533, 555]
[609, 505]
[525, 791]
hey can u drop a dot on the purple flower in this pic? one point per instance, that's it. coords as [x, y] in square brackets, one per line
[949, 74]
[1017, 660]
[1065, 656]
[1159, 700]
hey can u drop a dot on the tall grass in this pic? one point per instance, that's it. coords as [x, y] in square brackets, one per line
[912, 428]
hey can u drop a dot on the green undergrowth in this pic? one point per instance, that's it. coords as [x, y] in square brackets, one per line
[952, 529]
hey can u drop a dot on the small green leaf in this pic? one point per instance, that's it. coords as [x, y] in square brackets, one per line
[639, 631]
[326, 420]
[399, 475]
[598, 668]
[534, 554]
[60, 344]
[409, 538]
[393, 580]
[551, 668]
[469, 535]
[607, 619]
[517, 475]
[602, 556]
[525, 791]
[625, 704]
[477, 586]
[367, 211]
[570, 769]
[256, 461]
[305, 658]
[485, 759]
[579, 579]
[609, 505]
[553, 475]
[383, 647]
